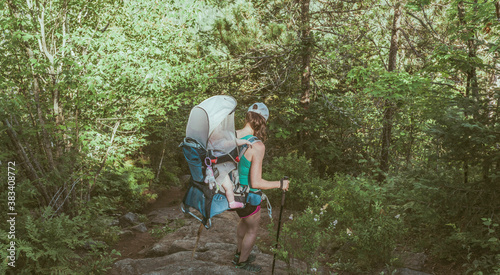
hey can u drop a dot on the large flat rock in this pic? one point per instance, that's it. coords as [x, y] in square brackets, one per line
[209, 262]
[173, 254]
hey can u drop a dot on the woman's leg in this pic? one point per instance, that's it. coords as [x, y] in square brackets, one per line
[240, 233]
[247, 234]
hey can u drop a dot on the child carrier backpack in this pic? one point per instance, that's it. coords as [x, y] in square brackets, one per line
[212, 155]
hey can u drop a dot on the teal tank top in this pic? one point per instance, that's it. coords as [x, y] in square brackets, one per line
[244, 169]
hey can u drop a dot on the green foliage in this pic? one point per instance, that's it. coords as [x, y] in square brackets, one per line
[95, 97]
[366, 227]
[128, 186]
[480, 250]
[48, 244]
[97, 262]
[302, 238]
[467, 133]
[389, 85]
[303, 179]
[344, 221]
[434, 199]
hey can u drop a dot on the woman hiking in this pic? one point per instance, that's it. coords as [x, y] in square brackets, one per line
[250, 172]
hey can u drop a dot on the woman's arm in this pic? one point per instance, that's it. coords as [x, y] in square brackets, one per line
[256, 180]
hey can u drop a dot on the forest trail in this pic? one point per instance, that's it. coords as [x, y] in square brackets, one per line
[166, 248]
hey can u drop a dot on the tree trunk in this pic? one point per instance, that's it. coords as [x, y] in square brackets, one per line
[497, 9]
[410, 145]
[305, 35]
[41, 119]
[117, 124]
[26, 162]
[36, 92]
[304, 136]
[472, 86]
[389, 107]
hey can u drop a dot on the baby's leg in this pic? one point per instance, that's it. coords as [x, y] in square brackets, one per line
[228, 186]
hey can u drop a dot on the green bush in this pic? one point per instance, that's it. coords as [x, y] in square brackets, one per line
[97, 261]
[128, 186]
[348, 224]
[76, 240]
[479, 249]
[445, 216]
[302, 239]
[59, 245]
[47, 245]
[304, 180]
[363, 224]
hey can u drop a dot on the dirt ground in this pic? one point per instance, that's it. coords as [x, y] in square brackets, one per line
[130, 246]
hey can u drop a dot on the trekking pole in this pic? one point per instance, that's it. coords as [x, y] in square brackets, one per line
[279, 221]
[197, 239]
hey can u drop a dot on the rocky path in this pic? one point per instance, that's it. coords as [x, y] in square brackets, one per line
[142, 253]
[163, 239]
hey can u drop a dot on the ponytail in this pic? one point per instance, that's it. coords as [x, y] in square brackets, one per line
[258, 124]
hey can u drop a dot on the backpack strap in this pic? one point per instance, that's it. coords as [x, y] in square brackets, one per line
[231, 156]
[244, 147]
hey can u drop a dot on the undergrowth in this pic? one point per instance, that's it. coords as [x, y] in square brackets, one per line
[75, 238]
[354, 224]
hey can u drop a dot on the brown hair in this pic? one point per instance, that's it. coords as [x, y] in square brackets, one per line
[258, 124]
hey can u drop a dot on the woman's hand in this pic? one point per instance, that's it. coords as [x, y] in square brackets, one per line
[285, 185]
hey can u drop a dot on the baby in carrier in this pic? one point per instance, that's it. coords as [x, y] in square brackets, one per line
[226, 183]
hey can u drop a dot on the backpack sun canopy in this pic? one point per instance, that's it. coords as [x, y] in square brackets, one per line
[211, 123]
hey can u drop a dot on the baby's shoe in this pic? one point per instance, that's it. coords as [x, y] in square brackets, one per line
[236, 204]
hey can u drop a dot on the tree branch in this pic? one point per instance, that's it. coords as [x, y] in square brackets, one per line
[409, 42]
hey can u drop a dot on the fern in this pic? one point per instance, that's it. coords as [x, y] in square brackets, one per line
[48, 244]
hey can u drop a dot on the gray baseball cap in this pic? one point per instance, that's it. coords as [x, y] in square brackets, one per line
[260, 108]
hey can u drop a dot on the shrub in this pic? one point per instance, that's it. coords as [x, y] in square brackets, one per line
[304, 180]
[480, 249]
[302, 238]
[74, 240]
[446, 216]
[348, 224]
[48, 244]
[127, 185]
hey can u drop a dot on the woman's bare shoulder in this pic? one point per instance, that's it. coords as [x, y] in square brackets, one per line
[259, 145]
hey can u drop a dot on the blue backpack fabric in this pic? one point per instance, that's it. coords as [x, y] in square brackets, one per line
[208, 202]
[194, 154]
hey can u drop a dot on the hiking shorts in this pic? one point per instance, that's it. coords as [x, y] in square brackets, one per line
[252, 206]
[248, 211]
